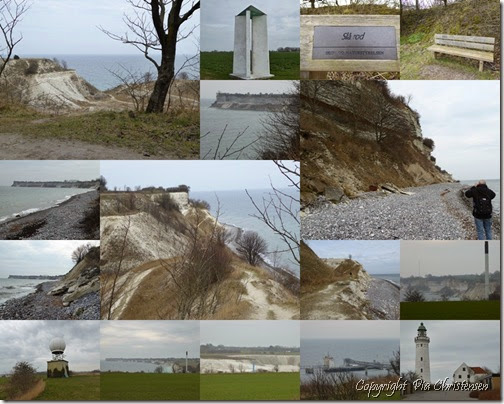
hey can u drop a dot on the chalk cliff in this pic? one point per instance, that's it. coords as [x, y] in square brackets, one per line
[56, 184]
[251, 102]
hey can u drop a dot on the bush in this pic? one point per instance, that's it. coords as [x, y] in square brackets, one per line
[167, 203]
[429, 143]
[80, 252]
[413, 295]
[23, 378]
[250, 245]
[199, 204]
[32, 68]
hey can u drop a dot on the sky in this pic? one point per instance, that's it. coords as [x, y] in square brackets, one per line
[349, 329]
[47, 170]
[22, 340]
[58, 27]
[463, 119]
[199, 175]
[447, 257]
[377, 257]
[218, 16]
[209, 88]
[149, 339]
[37, 257]
[452, 342]
[249, 333]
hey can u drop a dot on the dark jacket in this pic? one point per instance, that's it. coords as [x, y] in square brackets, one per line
[478, 192]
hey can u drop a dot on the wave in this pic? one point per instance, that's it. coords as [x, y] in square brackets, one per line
[22, 213]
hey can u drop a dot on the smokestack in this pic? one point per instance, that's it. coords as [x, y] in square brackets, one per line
[186, 354]
[487, 286]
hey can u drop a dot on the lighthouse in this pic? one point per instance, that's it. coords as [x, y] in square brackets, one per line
[422, 361]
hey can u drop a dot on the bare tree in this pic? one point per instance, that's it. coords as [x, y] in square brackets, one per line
[156, 27]
[221, 152]
[251, 246]
[137, 85]
[117, 270]
[80, 252]
[280, 207]
[395, 363]
[11, 14]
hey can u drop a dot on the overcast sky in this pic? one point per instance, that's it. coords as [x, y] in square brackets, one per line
[37, 257]
[56, 27]
[22, 340]
[348, 329]
[149, 339]
[463, 119]
[250, 333]
[199, 175]
[218, 16]
[477, 343]
[377, 257]
[209, 88]
[47, 170]
[447, 257]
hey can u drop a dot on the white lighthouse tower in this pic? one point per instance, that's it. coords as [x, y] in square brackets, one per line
[422, 361]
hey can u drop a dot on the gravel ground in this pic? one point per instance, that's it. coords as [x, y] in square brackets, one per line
[57, 223]
[384, 298]
[433, 212]
[40, 306]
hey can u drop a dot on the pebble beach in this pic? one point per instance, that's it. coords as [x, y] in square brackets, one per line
[432, 212]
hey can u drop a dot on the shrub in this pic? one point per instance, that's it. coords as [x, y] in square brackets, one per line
[428, 143]
[250, 245]
[199, 204]
[167, 203]
[413, 295]
[23, 378]
[32, 68]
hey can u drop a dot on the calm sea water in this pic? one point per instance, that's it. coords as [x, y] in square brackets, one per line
[14, 288]
[213, 122]
[236, 210]
[129, 366]
[396, 278]
[494, 185]
[95, 69]
[21, 201]
[314, 350]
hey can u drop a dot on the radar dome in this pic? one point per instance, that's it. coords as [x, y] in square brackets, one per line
[57, 345]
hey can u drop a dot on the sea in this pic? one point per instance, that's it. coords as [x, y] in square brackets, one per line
[368, 350]
[214, 120]
[14, 288]
[237, 210]
[132, 367]
[95, 69]
[396, 278]
[22, 201]
[494, 185]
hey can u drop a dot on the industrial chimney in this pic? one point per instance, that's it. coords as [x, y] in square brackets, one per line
[487, 285]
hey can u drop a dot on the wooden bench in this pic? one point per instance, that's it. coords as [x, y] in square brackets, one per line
[471, 47]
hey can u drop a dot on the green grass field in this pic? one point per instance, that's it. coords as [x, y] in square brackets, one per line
[218, 65]
[250, 386]
[3, 380]
[149, 386]
[72, 389]
[475, 310]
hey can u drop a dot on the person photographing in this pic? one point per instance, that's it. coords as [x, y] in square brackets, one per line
[482, 208]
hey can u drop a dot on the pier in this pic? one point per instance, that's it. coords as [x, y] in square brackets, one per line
[349, 365]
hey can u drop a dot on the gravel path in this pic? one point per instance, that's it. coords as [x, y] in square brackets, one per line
[433, 212]
[438, 72]
[40, 306]
[57, 223]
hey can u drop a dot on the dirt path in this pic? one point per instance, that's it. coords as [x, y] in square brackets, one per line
[20, 147]
[34, 392]
[262, 309]
[436, 72]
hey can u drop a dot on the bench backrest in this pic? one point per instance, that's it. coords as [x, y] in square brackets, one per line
[470, 42]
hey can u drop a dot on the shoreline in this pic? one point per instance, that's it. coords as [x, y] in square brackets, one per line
[60, 222]
[38, 305]
[432, 212]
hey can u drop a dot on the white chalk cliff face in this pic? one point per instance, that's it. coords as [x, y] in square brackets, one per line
[142, 238]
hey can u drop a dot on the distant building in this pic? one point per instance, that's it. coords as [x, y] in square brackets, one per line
[470, 374]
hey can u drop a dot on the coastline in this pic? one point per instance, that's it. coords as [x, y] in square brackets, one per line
[38, 305]
[60, 222]
[432, 212]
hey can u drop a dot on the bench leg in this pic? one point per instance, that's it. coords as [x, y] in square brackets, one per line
[481, 65]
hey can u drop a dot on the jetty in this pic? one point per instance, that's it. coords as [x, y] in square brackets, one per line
[349, 365]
